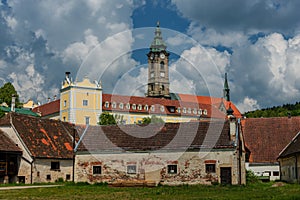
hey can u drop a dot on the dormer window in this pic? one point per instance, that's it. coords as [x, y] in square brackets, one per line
[199, 112]
[133, 106]
[114, 105]
[195, 111]
[204, 112]
[152, 108]
[121, 105]
[162, 108]
[184, 110]
[189, 110]
[128, 106]
[139, 107]
[146, 107]
[106, 104]
[178, 110]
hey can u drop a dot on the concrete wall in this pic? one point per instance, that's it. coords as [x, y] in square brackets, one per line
[154, 167]
[288, 168]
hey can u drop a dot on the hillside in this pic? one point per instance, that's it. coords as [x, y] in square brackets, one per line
[276, 111]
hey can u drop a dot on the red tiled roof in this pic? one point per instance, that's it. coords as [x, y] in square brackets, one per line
[48, 108]
[45, 138]
[158, 102]
[266, 137]
[7, 145]
[211, 104]
[169, 136]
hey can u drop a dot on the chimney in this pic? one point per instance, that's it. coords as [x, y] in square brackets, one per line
[13, 103]
[68, 77]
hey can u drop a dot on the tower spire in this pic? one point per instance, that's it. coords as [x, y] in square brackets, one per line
[226, 89]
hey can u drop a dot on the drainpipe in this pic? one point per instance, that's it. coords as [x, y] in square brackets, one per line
[73, 169]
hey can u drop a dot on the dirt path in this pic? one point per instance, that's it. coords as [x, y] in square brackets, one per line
[27, 186]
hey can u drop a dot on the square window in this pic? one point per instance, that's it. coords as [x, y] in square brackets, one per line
[85, 102]
[210, 168]
[172, 169]
[275, 173]
[97, 170]
[131, 169]
[55, 166]
[68, 177]
[48, 177]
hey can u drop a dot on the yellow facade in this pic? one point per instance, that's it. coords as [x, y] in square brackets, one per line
[80, 102]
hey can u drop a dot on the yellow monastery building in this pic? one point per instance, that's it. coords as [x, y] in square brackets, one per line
[83, 102]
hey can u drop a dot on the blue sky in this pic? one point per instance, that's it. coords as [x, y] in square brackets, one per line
[256, 42]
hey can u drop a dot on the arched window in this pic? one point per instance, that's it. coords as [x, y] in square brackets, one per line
[162, 65]
[163, 88]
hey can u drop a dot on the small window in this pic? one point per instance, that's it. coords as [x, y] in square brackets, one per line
[152, 108]
[210, 168]
[128, 106]
[48, 177]
[68, 177]
[205, 112]
[87, 120]
[195, 111]
[121, 105]
[140, 107]
[106, 104]
[162, 74]
[162, 108]
[275, 173]
[199, 112]
[114, 105]
[65, 103]
[152, 75]
[189, 110]
[184, 110]
[85, 102]
[178, 110]
[55, 166]
[133, 106]
[64, 119]
[131, 169]
[97, 170]
[172, 169]
[146, 107]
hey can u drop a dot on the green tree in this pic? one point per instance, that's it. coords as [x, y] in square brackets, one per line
[153, 119]
[106, 119]
[6, 92]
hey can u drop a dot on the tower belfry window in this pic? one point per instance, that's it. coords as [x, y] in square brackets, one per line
[162, 65]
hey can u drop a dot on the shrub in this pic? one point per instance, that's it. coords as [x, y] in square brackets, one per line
[251, 177]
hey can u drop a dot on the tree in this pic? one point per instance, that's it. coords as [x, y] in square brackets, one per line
[6, 92]
[106, 119]
[153, 119]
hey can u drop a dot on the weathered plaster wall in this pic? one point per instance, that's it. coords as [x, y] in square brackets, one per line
[154, 167]
[288, 169]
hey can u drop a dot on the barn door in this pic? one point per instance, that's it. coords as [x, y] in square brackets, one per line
[225, 175]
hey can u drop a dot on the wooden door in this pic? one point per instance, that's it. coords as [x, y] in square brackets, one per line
[225, 175]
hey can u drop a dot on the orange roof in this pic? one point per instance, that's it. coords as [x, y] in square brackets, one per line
[190, 103]
[48, 108]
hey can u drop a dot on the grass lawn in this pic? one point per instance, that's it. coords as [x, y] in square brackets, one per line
[84, 191]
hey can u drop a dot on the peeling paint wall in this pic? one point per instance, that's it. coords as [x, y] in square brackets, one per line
[190, 167]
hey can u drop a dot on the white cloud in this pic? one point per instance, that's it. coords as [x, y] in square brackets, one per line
[248, 104]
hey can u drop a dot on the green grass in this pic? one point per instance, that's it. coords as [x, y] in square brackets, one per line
[84, 191]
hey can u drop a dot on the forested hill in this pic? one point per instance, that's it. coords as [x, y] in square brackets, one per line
[276, 111]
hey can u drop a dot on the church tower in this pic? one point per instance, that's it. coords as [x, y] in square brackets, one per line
[226, 89]
[158, 67]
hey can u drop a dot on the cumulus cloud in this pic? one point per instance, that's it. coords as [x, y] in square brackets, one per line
[271, 15]
[248, 104]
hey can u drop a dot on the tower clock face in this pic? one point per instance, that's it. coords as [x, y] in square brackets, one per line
[162, 55]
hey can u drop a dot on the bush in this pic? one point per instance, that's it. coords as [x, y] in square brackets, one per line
[251, 177]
